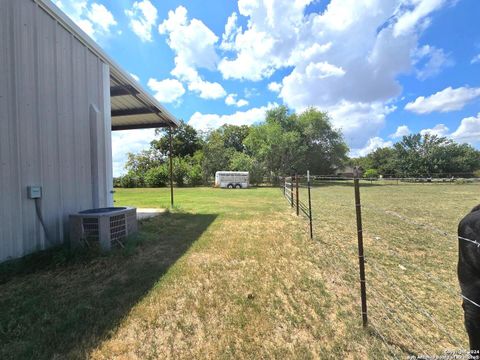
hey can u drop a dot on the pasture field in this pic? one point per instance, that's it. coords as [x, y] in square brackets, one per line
[233, 274]
[411, 256]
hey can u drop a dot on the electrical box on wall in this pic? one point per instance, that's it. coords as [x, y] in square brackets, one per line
[34, 192]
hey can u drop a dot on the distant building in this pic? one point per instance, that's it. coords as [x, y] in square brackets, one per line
[347, 171]
[60, 98]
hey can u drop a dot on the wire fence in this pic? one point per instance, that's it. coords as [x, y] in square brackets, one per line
[408, 313]
[291, 190]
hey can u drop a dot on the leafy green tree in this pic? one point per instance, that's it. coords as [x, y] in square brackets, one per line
[233, 136]
[324, 147]
[139, 164]
[194, 175]
[371, 174]
[240, 162]
[215, 156]
[279, 151]
[422, 155]
[243, 162]
[181, 167]
[130, 180]
[157, 176]
[185, 141]
[382, 159]
[365, 162]
[287, 142]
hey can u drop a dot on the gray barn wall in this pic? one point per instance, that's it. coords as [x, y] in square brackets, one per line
[49, 82]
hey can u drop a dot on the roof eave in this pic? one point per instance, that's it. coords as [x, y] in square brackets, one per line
[115, 69]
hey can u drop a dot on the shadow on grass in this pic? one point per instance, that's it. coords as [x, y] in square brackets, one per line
[64, 309]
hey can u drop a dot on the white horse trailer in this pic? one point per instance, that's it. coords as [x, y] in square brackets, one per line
[232, 179]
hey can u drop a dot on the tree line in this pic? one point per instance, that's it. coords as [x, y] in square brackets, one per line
[422, 156]
[282, 144]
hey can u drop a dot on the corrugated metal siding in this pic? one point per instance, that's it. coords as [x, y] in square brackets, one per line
[49, 80]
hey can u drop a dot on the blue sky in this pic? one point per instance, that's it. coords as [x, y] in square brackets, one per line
[381, 68]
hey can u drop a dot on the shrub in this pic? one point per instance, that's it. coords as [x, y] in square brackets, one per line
[194, 176]
[181, 168]
[256, 173]
[130, 181]
[371, 174]
[117, 182]
[157, 176]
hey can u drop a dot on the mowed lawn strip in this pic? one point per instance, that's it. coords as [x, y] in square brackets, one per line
[226, 274]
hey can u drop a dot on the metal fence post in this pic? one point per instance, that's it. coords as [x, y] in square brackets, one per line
[296, 194]
[361, 258]
[309, 204]
[291, 191]
[284, 186]
[170, 155]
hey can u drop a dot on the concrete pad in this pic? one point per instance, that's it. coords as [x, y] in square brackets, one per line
[147, 213]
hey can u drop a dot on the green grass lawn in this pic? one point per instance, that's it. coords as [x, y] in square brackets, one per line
[233, 274]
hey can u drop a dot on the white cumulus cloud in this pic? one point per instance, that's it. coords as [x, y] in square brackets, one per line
[475, 59]
[415, 14]
[231, 31]
[166, 91]
[372, 145]
[359, 121]
[274, 86]
[212, 121]
[402, 131]
[194, 46]
[93, 18]
[192, 41]
[346, 59]
[128, 141]
[446, 100]
[231, 100]
[468, 130]
[430, 61]
[207, 89]
[143, 18]
[438, 130]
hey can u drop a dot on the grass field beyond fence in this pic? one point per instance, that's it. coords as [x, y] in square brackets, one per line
[411, 256]
[233, 274]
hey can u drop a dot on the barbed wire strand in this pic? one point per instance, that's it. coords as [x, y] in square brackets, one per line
[389, 346]
[419, 307]
[389, 314]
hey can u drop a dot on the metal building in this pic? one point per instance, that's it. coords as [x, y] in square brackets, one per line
[60, 98]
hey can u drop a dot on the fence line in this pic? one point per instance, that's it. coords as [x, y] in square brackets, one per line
[404, 298]
[294, 200]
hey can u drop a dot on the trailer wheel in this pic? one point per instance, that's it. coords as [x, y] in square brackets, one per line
[238, 186]
[230, 186]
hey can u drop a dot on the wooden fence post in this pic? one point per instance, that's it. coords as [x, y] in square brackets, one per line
[361, 258]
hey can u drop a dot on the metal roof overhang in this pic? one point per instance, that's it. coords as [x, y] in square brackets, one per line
[131, 106]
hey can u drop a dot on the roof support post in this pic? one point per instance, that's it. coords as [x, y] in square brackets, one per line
[170, 155]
